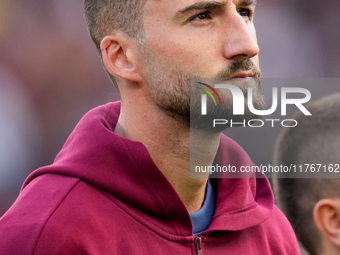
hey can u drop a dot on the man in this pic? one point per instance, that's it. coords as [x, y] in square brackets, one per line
[312, 205]
[121, 184]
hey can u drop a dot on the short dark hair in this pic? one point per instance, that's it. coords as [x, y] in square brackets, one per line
[312, 141]
[103, 16]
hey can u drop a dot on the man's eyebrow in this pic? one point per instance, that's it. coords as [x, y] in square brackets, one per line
[203, 6]
[248, 2]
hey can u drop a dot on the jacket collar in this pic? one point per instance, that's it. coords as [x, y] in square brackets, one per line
[124, 168]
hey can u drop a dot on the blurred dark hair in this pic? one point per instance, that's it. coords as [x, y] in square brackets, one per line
[314, 141]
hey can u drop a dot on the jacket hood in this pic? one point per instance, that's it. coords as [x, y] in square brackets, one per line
[124, 169]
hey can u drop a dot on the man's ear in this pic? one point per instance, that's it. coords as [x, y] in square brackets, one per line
[119, 56]
[327, 218]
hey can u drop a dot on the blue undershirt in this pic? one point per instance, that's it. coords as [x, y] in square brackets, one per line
[202, 218]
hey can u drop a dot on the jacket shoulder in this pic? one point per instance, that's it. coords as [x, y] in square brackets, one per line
[22, 225]
[281, 234]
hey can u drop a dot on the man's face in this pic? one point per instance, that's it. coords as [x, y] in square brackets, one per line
[185, 39]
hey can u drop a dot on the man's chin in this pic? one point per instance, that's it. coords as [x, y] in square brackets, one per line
[220, 96]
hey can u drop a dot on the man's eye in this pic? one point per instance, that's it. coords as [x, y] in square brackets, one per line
[244, 12]
[202, 16]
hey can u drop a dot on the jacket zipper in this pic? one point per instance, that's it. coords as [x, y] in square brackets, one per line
[198, 245]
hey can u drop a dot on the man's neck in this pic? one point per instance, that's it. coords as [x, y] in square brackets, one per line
[328, 247]
[168, 142]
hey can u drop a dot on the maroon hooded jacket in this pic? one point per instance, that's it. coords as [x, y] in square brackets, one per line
[105, 195]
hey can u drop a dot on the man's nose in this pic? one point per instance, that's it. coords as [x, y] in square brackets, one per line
[241, 42]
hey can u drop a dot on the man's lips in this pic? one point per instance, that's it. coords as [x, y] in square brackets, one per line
[244, 74]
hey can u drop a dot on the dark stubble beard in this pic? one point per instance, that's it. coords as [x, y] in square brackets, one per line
[170, 90]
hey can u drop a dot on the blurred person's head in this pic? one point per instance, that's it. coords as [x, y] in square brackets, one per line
[312, 205]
